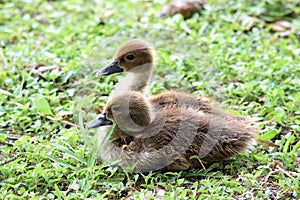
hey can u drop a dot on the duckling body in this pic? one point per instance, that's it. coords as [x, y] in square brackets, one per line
[171, 137]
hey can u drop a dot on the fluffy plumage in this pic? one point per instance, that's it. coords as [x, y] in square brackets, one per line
[173, 137]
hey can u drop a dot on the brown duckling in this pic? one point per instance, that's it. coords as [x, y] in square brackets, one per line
[135, 57]
[171, 138]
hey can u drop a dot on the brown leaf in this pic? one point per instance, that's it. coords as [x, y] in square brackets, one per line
[186, 8]
[278, 28]
[284, 24]
[33, 66]
[281, 26]
[279, 164]
[285, 33]
[267, 143]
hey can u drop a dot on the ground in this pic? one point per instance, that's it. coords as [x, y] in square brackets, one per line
[244, 55]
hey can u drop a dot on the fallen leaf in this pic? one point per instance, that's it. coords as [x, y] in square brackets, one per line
[279, 164]
[33, 66]
[186, 8]
[267, 143]
[285, 33]
[284, 24]
[281, 26]
[278, 28]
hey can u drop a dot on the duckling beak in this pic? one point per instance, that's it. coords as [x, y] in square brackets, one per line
[100, 120]
[112, 68]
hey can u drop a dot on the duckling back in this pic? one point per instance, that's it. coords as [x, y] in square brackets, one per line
[180, 99]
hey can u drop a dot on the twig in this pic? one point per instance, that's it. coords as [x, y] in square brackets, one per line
[46, 68]
[9, 160]
[5, 143]
[13, 103]
[13, 136]
[284, 171]
[63, 121]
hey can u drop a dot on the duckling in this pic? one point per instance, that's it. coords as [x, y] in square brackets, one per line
[172, 137]
[135, 57]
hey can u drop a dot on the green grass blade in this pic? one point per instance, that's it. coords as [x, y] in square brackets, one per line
[61, 162]
[69, 153]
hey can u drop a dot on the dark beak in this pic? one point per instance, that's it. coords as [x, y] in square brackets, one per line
[112, 68]
[100, 120]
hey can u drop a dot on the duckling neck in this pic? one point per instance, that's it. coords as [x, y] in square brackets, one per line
[135, 80]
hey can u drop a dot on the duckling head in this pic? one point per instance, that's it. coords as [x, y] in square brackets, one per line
[130, 111]
[132, 56]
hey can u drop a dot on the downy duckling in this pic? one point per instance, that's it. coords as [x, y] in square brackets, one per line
[135, 57]
[171, 138]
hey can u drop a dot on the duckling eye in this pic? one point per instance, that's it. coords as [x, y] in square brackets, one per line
[129, 57]
[117, 108]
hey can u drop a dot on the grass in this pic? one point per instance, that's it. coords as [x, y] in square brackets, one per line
[229, 52]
